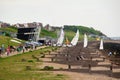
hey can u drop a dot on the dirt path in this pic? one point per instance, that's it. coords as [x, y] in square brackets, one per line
[99, 70]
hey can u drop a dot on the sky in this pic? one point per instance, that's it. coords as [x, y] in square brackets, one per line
[103, 15]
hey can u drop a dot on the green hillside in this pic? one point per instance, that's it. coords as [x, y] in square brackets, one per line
[82, 30]
[71, 30]
[9, 29]
[45, 33]
[6, 41]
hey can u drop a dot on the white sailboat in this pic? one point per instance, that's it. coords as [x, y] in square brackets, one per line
[101, 44]
[75, 39]
[61, 38]
[85, 41]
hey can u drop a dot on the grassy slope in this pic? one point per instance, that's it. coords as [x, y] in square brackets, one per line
[9, 29]
[12, 68]
[70, 32]
[48, 33]
[6, 41]
[82, 29]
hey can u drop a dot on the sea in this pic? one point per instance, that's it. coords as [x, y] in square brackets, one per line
[115, 38]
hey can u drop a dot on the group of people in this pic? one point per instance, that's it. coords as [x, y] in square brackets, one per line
[11, 49]
[115, 53]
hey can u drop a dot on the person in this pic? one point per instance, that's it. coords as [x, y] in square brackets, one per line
[0, 51]
[8, 50]
[97, 52]
[23, 48]
[110, 53]
[114, 53]
[77, 58]
[3, 48]
[33, 46]
[81, 57]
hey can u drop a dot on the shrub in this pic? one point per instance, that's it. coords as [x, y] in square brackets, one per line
[61, 68]
[23, 60]
[37, 59]
[42, 56]
[41, 52]
[48, 68]
[59, 74]
[28, 67]
[33, 57]
[30, 61]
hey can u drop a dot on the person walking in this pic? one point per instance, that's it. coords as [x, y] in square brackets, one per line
[8, 50]
[110, 53]
[0, 51]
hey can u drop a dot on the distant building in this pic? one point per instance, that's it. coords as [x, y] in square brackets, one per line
[3, 24]
[51, 28]
[47, 27]
[28, 25]
[19, 25]
[25, 33]
[93, 36]
[29, 33]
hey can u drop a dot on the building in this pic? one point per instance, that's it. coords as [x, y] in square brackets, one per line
[28, 25]
[25, 33]
[3, 24]
[51, 28]
[47, 27]
[29, 33]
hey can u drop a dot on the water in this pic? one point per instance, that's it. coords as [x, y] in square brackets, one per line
[115, 38]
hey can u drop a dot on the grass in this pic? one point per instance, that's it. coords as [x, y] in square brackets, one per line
[6, 41]
[71, 34]
[45, 33]
[9, 29]
[12, 68]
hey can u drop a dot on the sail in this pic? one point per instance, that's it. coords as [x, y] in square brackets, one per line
[61, 38]
[101, 44]
[75, 39]
[85, 41]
